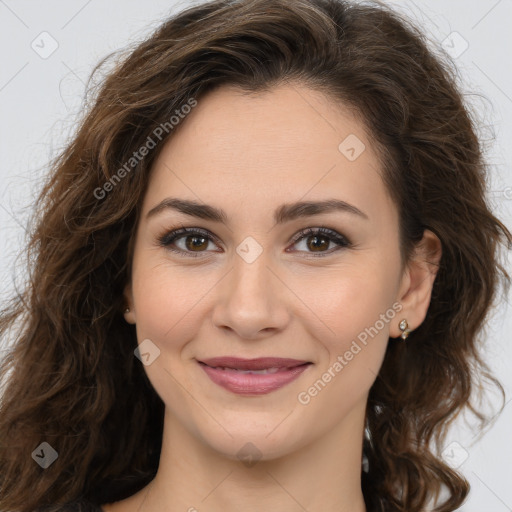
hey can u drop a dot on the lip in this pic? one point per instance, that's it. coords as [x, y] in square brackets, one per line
[229, 373]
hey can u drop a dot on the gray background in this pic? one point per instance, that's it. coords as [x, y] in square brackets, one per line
[41, 94]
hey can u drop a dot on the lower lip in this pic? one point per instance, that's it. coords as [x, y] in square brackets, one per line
[253, 383]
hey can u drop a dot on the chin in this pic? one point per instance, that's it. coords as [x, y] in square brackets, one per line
[254, 439]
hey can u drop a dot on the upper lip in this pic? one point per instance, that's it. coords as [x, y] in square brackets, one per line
[261, 363]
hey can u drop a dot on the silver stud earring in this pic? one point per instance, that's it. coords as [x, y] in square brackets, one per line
[127, 310]
[404, 327]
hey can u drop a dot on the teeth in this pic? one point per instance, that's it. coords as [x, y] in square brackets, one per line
[257, 372]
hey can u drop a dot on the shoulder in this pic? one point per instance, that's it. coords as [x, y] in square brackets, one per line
[82, 506]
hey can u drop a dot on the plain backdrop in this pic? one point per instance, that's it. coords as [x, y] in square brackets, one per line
[48, 50]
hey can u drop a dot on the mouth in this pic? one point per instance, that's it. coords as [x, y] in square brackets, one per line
[253, 376]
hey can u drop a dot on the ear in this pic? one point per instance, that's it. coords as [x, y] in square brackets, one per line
[417, 282]
[129, 316]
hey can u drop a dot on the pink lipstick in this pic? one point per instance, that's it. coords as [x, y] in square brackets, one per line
[253, 376]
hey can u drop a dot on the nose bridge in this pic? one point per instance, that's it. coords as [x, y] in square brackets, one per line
[251, 277]
[250, 300]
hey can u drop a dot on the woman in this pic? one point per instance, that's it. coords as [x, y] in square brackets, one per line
[258, 275]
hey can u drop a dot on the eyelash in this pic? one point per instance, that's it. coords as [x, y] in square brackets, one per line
[169, 238]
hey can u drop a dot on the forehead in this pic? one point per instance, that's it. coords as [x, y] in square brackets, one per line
[286, 123]
[285, 144]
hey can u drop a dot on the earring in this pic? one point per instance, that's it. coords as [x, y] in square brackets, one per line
[404, 327]
[127, 310]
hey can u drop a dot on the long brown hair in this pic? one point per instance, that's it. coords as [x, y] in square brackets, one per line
[71, 379]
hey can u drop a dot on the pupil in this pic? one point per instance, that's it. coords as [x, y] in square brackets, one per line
[317, 245]
[195, 245]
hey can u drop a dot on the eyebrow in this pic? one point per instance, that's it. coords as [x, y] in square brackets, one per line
[284, 213]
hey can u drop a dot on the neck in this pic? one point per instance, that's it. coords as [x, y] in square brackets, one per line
[324, 475]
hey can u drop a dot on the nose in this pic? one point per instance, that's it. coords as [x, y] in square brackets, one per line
[252, 299]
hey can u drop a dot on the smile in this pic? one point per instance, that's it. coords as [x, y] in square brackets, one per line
[253, 376]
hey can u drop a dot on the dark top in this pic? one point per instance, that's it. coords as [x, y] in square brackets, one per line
[83, 506]
[86, 506]
[75, 506]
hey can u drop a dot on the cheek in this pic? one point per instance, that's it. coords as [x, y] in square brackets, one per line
[356, 310]
[356, 305]
[166, 300]
[347, 301]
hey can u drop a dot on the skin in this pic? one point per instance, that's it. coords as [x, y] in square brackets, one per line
[248, 154]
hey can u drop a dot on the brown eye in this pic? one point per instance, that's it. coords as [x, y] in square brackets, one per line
[187, 241]
[196, 243]
[316, 241]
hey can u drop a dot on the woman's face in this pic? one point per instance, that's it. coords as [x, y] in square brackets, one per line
[254, 285]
